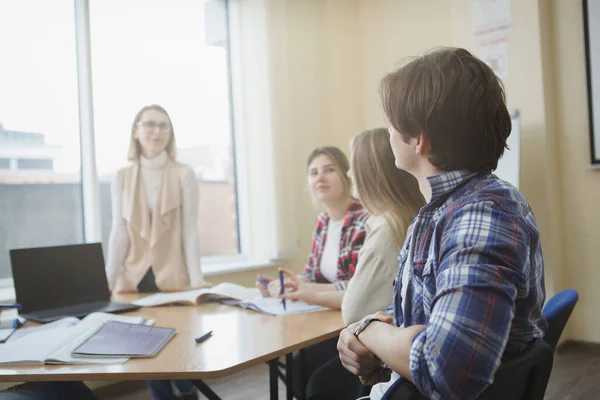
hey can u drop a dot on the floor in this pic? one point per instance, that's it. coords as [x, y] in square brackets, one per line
[575, 376]
[250, 384]
[576, 373]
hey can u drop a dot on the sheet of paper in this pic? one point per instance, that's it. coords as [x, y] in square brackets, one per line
[5, 334]
[168, 298]
[35, 347]
[61, 323]
[491, 17]
[495, 54]
[234, 291]
[273, 306]
[220, 291]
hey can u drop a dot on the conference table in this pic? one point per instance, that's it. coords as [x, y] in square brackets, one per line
[241, 339]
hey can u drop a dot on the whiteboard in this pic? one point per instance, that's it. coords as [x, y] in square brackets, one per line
[591, 21]
[508, 166]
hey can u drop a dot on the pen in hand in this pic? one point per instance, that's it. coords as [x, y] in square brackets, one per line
[282, 288]
[204, 337]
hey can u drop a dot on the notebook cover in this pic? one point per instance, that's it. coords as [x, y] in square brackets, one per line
[119, 339]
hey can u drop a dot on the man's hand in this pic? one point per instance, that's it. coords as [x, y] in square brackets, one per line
[381, 374]
[356, 358]
[384, 317]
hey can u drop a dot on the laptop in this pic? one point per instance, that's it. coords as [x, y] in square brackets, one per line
[62, 281]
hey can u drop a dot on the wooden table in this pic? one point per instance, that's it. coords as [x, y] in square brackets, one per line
[241, 339]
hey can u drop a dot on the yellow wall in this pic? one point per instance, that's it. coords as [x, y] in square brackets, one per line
[392, 30]
[546, 83]
[332, 54]
[580, 185]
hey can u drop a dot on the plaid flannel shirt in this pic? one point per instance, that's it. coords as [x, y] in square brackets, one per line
[352, 239]
[476, 280]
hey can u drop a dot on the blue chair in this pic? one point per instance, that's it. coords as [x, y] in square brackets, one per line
[521, 378]
[557, 312]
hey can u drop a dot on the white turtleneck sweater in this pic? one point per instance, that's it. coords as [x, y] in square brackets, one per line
[118, 242]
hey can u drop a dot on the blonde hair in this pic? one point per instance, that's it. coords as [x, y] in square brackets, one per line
[135, 149]
[382, 188]
[339, 159]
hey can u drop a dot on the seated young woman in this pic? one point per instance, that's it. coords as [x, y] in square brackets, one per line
[392, 198]
[339, 231]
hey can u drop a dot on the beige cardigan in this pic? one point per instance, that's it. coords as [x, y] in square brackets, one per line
[371, 288]
[155, 240]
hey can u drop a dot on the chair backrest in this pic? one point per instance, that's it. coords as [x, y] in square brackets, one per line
[522, 378]
[557, 312]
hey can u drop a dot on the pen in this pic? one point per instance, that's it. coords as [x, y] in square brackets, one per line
[17, 306]
[282, 289]
[204, 337]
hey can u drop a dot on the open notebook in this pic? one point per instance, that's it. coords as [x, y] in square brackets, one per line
[53, 343]
[217, 293]
[230, 294]
[273, 306]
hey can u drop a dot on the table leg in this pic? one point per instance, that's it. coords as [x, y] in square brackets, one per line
[205, 389]
[289, 376]
[274, 379]
[301, 384]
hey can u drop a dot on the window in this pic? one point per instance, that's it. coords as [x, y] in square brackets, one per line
[162, 52]
[40, 188]
[35, 163]
[64, 132]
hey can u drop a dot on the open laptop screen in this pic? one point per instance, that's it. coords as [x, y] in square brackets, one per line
[50, 277]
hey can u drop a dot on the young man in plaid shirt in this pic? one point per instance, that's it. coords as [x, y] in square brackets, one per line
[470, 284]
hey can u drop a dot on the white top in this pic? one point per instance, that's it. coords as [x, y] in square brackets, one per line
[379, 389]
[118, 242]
[370, 289]
[331, 250]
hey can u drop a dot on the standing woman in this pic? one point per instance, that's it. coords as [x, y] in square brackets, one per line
[153, 244]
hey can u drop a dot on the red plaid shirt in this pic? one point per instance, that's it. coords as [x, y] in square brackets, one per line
[353, 236]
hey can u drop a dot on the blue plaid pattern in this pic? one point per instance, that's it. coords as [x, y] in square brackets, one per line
[476, 280]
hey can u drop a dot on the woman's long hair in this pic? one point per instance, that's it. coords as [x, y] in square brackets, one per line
[382, 188]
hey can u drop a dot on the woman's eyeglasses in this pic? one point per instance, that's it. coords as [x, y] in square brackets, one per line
[152, 125]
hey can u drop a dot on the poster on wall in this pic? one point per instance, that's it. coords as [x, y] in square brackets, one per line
[491, 19]
[591, 23]
[495, 54]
